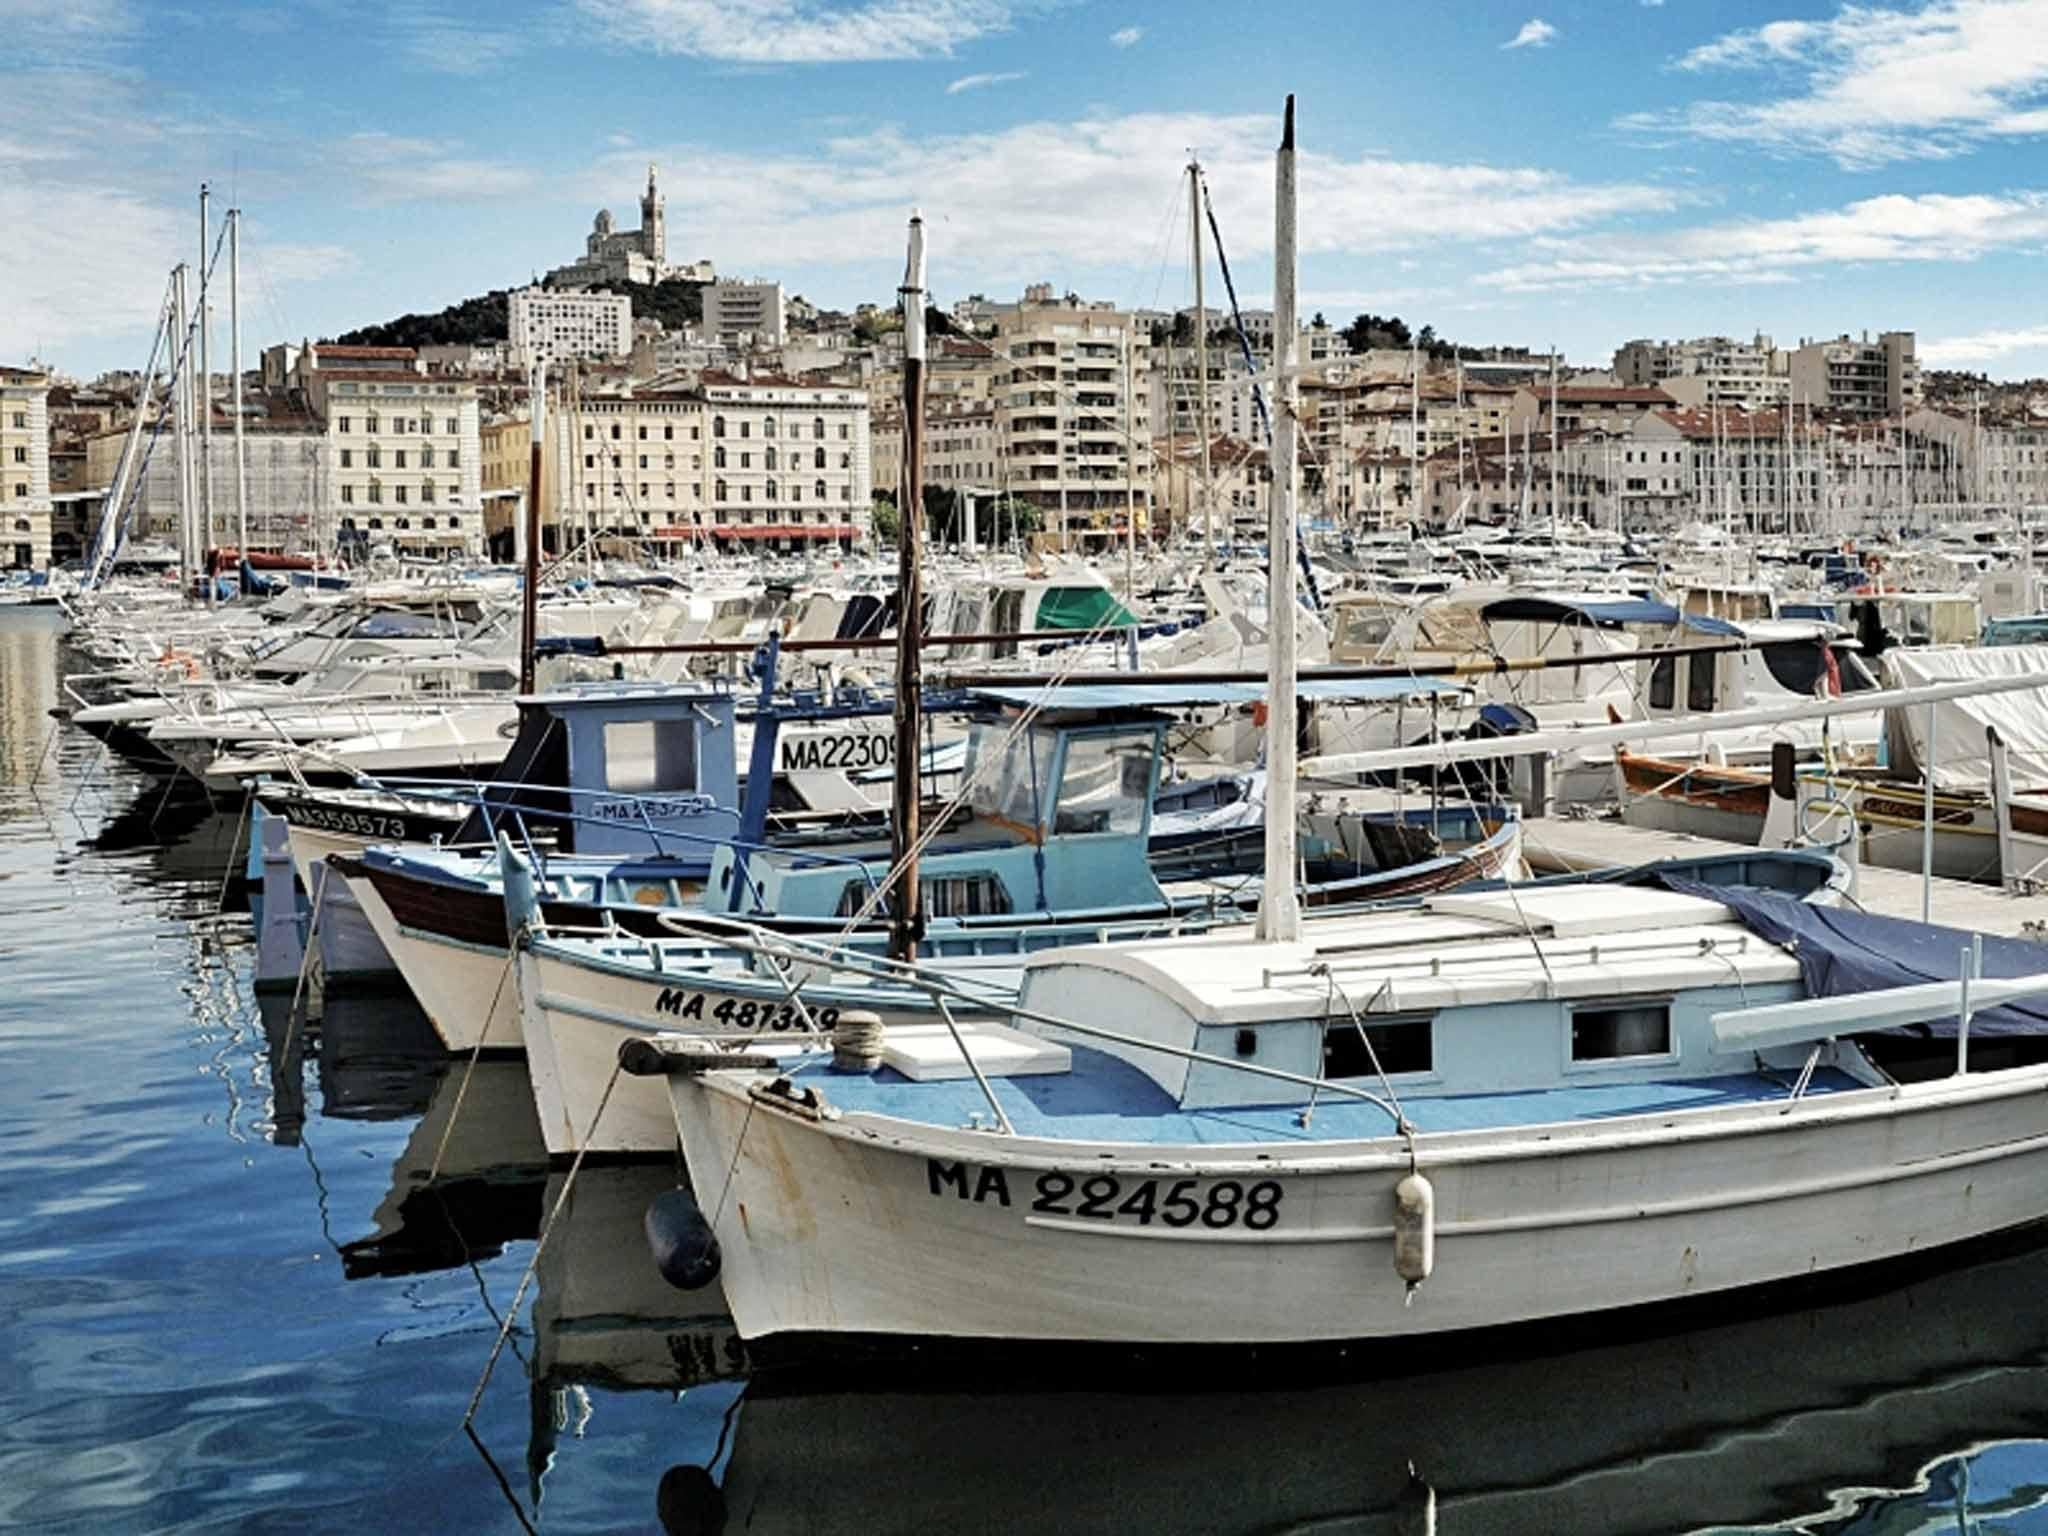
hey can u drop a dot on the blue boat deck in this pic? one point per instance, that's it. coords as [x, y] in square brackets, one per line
[1104, 1099]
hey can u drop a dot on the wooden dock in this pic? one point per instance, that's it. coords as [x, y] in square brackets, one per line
[1555, 844]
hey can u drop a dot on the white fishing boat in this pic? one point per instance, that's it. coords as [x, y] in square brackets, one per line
[1508, 1107]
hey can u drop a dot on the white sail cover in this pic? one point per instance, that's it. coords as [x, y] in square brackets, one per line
[1961, 758]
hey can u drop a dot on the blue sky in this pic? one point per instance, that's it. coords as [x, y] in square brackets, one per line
[1577, 171]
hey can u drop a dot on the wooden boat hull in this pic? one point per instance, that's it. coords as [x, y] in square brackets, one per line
[887, 1228]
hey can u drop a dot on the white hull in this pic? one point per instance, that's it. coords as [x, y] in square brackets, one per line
[866, 1225]
[575, 1017]
[466, 991]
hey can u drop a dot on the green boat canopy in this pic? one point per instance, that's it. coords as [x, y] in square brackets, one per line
[1081, 608]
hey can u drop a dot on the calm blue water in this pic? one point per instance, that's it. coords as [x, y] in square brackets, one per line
[234, 1296]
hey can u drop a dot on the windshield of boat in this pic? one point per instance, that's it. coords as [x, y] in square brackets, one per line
[1797, 666]
[1009, 777]
[1106, 783]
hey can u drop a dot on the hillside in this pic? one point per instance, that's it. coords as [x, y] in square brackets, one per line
[483, 319]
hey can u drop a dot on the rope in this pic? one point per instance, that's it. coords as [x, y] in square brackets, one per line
[540, 1246]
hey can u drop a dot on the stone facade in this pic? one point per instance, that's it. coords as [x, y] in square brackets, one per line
[790, 462]
[24, 469]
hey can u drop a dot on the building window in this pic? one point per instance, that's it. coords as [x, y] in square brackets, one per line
[718, 426]
[615, 431]
[427, 493]
[348, 493]
[376, 493]
[818, 458]
[376, 523]
[370, 424]
[347, 458]
[643, 490]
[820, 489]
[643, 434]
[427, 457]
[668, 434]
[588, 433]
[768, 427]
[818, 428]
[746, 493]
[718, 457]
[769, 456]
[454, 458]
[746, 461]
[400, 459]
[453, 426]
[746, 429]
[844, 433]
[398, 494]
[345, 424]
[374, 457]
[770, 493]
[719, 493]
[671, 490]
[589, 490]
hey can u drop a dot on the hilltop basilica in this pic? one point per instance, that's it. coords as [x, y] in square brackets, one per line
[612, 255]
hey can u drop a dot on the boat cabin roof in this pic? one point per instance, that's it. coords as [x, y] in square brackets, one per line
[1460, 948]
[1172, 695]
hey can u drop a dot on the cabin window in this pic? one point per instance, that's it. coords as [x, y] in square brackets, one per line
[980, 893]
[1699, 684]
[1105, 784]
[1402, 1045]
[1663, 682]
[642, 756]
[1615, 1031]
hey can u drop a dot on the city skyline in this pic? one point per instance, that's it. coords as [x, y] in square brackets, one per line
[1579, 173]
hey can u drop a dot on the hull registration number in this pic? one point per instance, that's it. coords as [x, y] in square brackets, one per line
[846, 750]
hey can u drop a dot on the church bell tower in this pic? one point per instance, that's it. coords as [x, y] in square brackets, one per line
[654, 225]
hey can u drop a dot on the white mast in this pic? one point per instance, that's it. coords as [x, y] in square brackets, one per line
[1414, 430]
[1201, 365]
[203, 399]
[180, 384]
[1279, 910]
[1553, 440]
[235, 362]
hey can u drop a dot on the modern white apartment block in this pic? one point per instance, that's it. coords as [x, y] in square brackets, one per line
[550, 326]
[1858, 377]
[1074, 413]
[1708, 371]
[753, 310]
[24, 469]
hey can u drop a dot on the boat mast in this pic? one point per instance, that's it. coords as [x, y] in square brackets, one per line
[180, 383]
[529, 580]
[204, 399]
[1279, 910]
[905, 906]
[1202, 429]
[1553, 441]
[235, 363]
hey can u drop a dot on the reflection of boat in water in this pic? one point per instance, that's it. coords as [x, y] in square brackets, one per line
[1754, 1421]
[604, 1317]
[470, 1179]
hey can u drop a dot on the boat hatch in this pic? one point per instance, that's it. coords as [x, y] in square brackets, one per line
[1580, 913]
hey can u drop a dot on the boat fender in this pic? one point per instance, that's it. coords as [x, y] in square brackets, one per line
[689, 1503]
[857, 1041]
[685, 1248]
[1414, 1230]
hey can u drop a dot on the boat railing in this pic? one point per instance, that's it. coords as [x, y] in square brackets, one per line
[1554, 953]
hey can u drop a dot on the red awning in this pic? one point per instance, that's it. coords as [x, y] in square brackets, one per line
[783, 531]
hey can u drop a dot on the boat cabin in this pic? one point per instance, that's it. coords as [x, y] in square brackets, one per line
[613, 768]
[1057, 817]
[1533, 1002]
[1793, 659]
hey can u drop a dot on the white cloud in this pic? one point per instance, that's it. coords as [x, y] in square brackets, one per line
[74, 21]
[1126, 37]
[976, 82]
[1930, 227]
[429, 38]
[1535, 33]
[1045, 197]
[1983, 347]
[1650, 5]
[800, 31]
[387, 168]
[1870, 86]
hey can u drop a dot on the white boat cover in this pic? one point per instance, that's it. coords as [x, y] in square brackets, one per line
[1961, 757]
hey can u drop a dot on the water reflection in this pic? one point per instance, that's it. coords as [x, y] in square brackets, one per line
[1749, 1423]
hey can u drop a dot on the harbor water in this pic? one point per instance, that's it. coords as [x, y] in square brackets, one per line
[255, 1270]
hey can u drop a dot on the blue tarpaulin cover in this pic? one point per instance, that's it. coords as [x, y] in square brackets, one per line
[1842, 951]
[1603, 611]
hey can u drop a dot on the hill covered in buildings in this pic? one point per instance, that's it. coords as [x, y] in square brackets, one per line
[675, 302]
